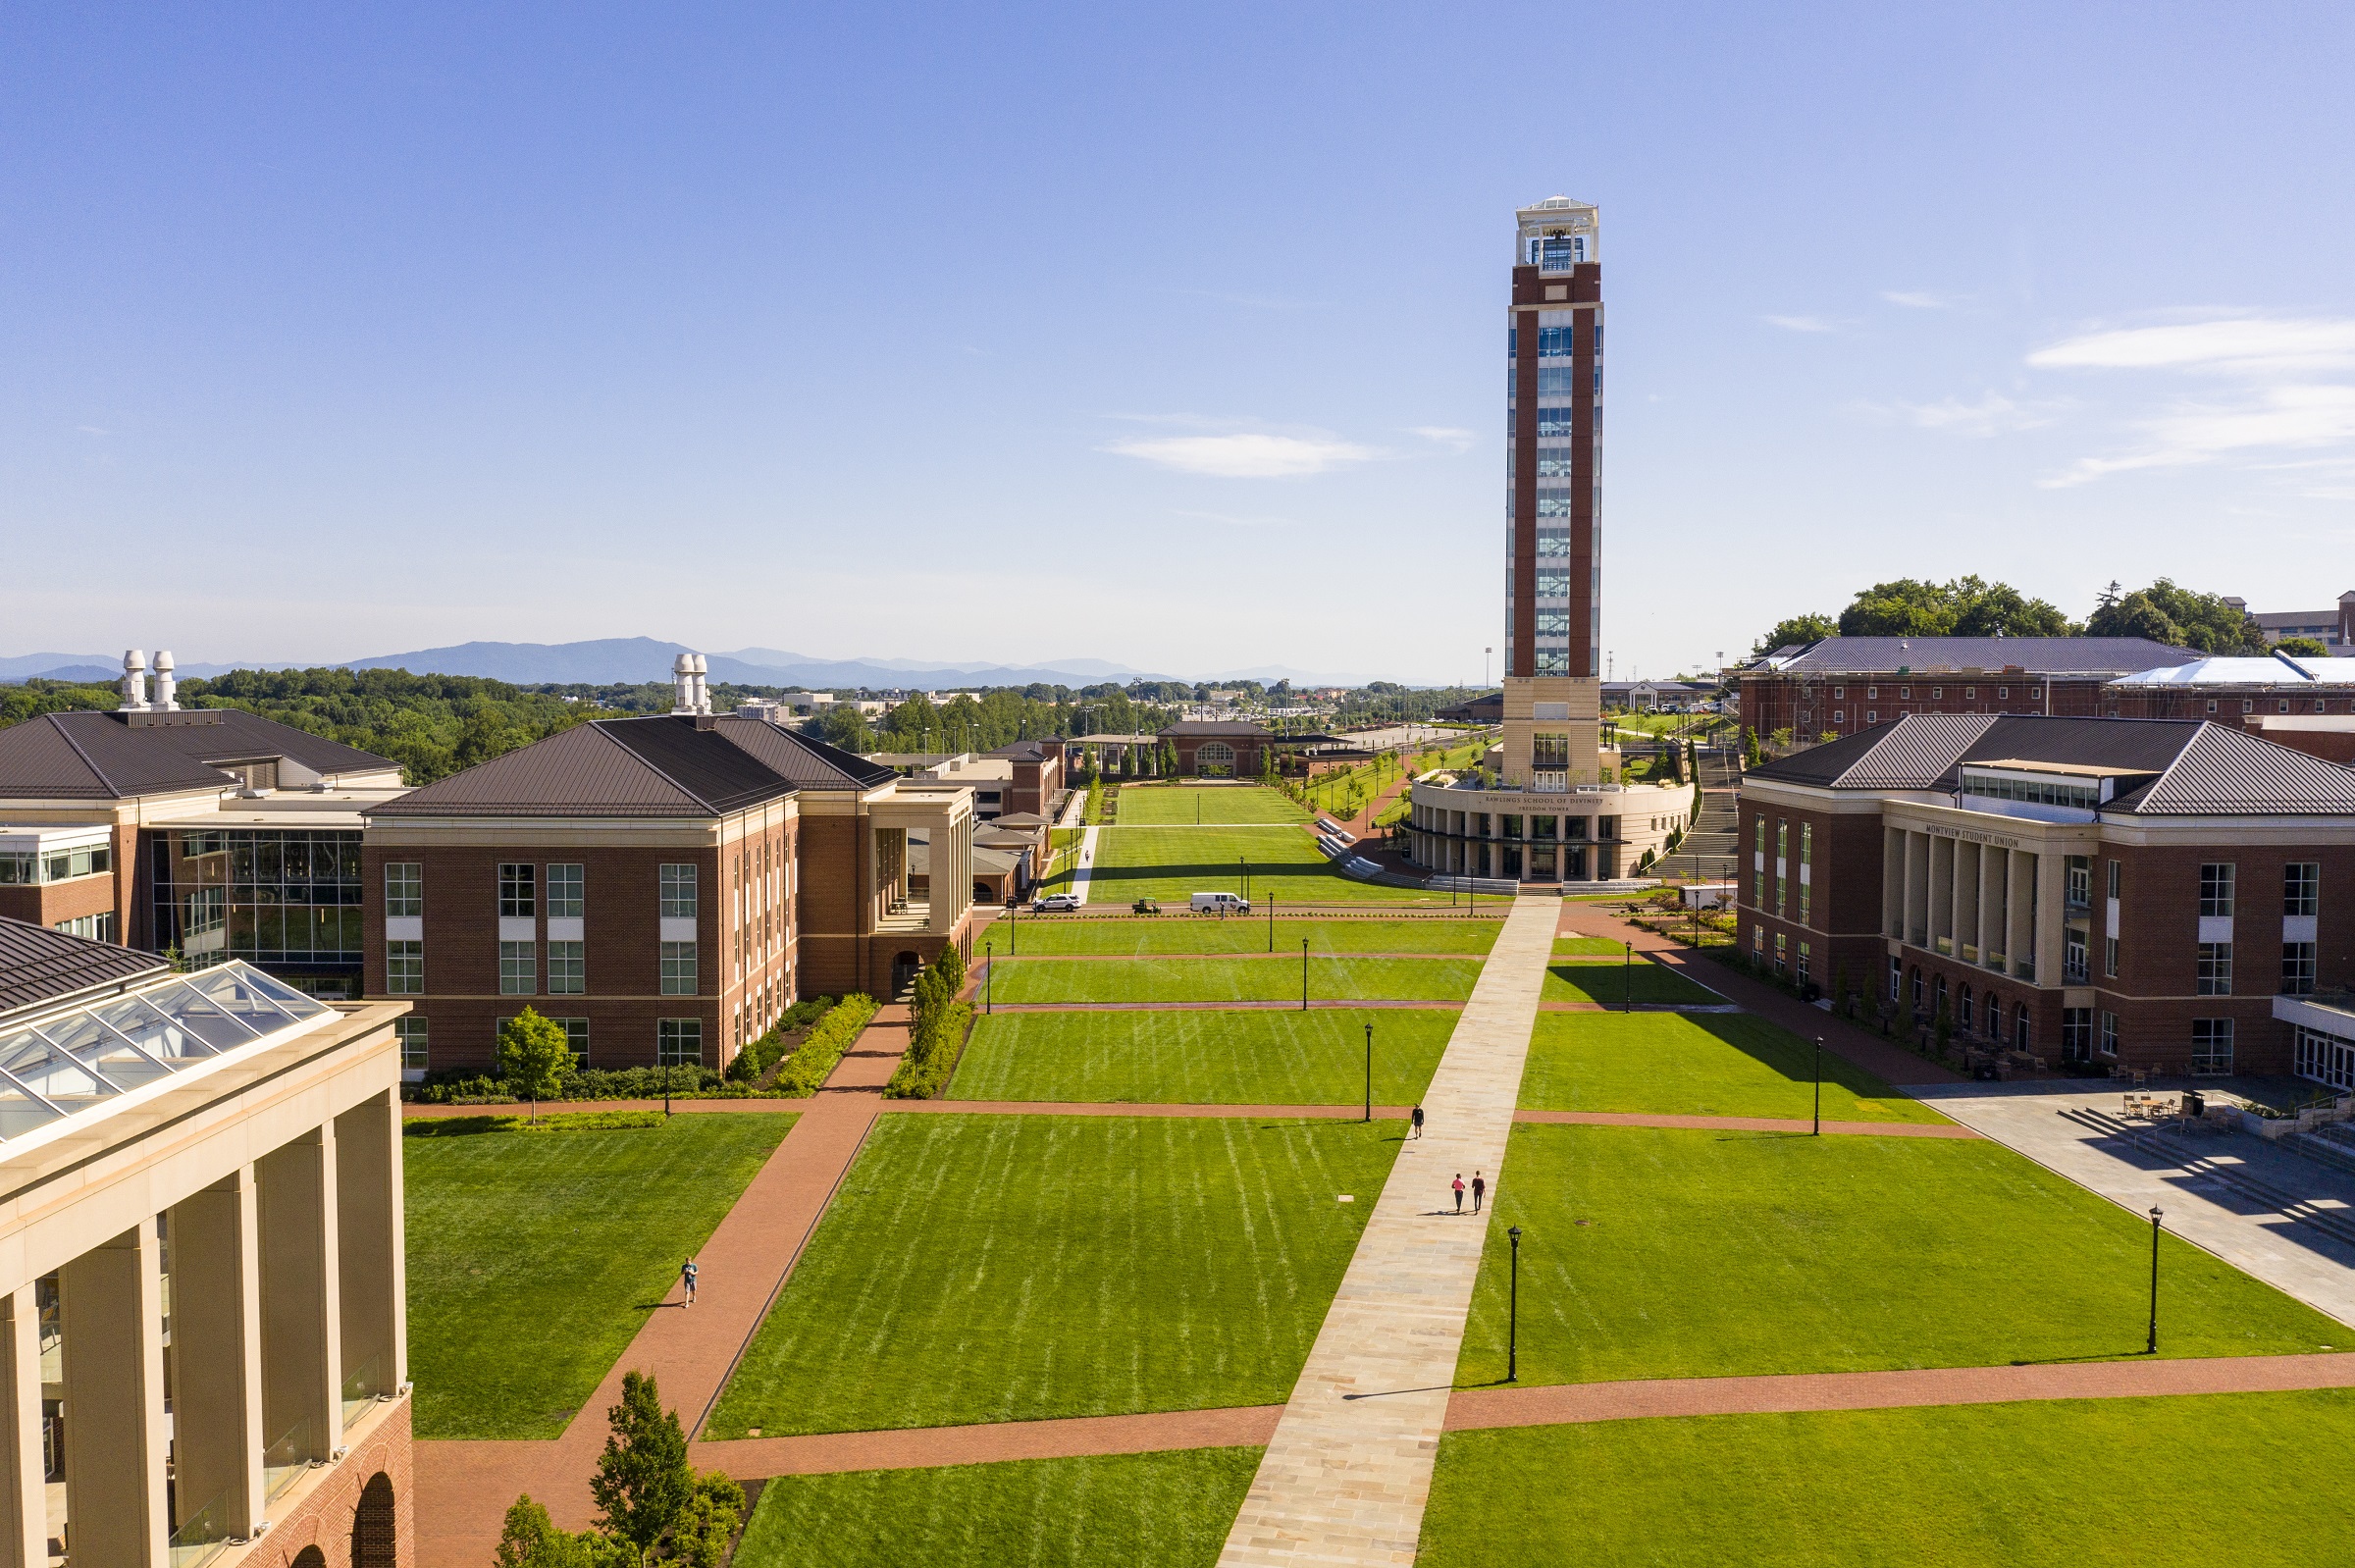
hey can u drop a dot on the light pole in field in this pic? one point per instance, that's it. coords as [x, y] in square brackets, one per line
[1512, 1331]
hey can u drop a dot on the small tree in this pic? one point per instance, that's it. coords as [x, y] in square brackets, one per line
[642, 1480]
[531, 1539]
[534, 1057]
[713, 1511]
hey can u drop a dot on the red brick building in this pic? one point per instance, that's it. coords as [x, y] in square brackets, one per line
[1220, 747]
[1845, 685]
[2162, 894]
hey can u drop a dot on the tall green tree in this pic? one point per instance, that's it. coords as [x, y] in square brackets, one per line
[2180, 618]
[534, 1057]
[642, 1480]
[2303, 648]
[1795, 631]
[1964, 606]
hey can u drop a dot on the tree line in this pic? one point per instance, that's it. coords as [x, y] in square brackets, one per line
[1972, 607]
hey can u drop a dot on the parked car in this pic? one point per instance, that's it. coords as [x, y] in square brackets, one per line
[1144, 906]
[1055, 903]
[1220, 904]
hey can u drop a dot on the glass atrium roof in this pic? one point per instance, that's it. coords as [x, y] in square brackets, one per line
[82, 1056]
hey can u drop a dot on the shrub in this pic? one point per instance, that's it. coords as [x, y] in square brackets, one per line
[822, 1048]
[461, 1127]
[456, 1087]
[933, 1049]
[756, 1059]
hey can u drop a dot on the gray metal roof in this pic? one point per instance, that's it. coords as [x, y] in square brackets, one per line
[1991, 655]
[39, 965]
[1221, 729]
[100, 757]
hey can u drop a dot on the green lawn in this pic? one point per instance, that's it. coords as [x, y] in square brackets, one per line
[1255, 1058]
[1707, 1254]
[534, 1259]
[1570, 980]
[1255, 978]
[1177, 932]
[1147, 804]
[1010, 1268]
[1696, 1063]
[1138, 1510]
[1170, 864]
[1587, 947]
[2076, 1483]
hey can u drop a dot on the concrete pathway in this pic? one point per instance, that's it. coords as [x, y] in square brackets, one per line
[1347, 1471]
[2285, 1220]
[464, 1488]
[1084, 872]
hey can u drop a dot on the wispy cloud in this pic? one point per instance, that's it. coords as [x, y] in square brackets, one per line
[1801, 323]
[1247, 454]
[1452, 437]
[2286, 391]
[1991, 414]
[1921, 298]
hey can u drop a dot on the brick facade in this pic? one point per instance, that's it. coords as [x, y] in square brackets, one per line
[1811, 706]
[361, 1513]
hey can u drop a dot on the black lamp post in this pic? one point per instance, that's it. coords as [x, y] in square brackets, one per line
[1369, 1072]
[1627, 978]
[667, 1101]
[2151, 1346]
[1512, 1331]
[1304, 975]
[1818, 1132]
[989, 973]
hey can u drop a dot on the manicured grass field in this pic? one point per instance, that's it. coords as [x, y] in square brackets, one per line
[1138, 1510]
[1707, 1254]
[1176, 933]
[1170, 864]
[1571, 980]
[534, 1259]
[1254, 1057]
[1337, 977]
[1009, 1267]
[1144, 805]
[1696, 1063]
[1587, 947]
[2076, 1483]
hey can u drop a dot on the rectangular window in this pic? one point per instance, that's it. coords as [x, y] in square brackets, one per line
[518, 969]
[2110, 957]
[678, 1042]
[2109, 1036]
[2117, 868]
[411, 1033]
[2216, 889]
[2216, 969]
[2073, 953]
[678, 968]
[1782, 863]
[1550, 751]
[404, 889]
[568, 968]
[2297, 969]
[2302, 888]
[404, 968]
[679, 892]
[1805, 951]
[1807, 862]
[90, 927]
[516, 885]
[564, 892]
[2080, 881]
[1897, 980]
[2210, 1046]
[576, 1035]
[1782, 952]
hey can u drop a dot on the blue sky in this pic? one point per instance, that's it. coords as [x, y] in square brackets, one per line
[1165, 334]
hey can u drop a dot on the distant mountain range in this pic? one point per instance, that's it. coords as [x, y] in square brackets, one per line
[615, 661]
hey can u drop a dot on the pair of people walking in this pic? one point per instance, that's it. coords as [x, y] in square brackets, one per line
[1479, 1190]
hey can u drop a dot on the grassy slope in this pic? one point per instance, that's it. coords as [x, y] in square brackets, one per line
[1179, 803]
[1171, 862]
[977, 1268]
[1177, 933]
[533, 1259]
[2080, 1483]
[1717, 1253]
[1258, 1058]
[1144, 1510]
[1569, 980]
[1696, 1063]
[1253, 979]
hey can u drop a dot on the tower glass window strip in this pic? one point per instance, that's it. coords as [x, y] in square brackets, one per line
[1807, 862]
[1553, 383]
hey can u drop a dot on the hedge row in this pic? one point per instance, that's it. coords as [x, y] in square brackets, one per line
[588, 1083]
[462, 1127]
[938, 1041]
[808, 1067]
[753, 1062]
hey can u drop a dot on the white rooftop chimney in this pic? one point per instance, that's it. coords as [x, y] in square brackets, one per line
[164, 685]
[682, 684]
[134, 681]
[703, 686]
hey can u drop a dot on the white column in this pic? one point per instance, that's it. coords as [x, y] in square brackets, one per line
[302, 1357]
[110, 1302]
[23, 1501]
[368, 1226]
[217, 1351]
[2050, 908]
[1941, 890]
[2020, 938]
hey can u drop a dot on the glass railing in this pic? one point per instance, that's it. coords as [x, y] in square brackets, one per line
[359, 1392]
[202, 1536]
[289, 1456]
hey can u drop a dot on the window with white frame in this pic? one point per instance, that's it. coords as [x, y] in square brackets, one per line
[404, 889]
[411, 1032]
[2108, 1038]
[679, 892]
[404, 968]
[564, 882]
[518, 969]
[678, 968]
[2302, 888]
[568, 968]
[2216, 889]
[517, 887]
[2215, 976]
[2210, 1046]
[2297, 969]
[678, 1042]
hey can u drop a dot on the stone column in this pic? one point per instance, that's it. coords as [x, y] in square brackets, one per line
[2019, 939]
[2051, 907]
[110, 1302]
[1995, 868]
[1941, 890]
[302, 1357]
[23, 1501]
[217, 1351]
[368, 1224]
[1967, 900]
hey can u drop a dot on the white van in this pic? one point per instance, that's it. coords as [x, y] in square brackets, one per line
[1220, 904]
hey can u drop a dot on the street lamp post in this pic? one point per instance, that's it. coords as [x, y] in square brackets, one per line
[666, 1103]
[989, 972]
[1818, 1132]
[1512, 1331]
[1369, 1072]
[1627, 978]
[2151, 1346]
[1304, 975]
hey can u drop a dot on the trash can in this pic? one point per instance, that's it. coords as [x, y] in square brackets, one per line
[2195, 1104]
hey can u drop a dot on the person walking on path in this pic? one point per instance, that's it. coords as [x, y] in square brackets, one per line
[1417, 1119]
[687, 1279]
[1458, 1184]
[1479, 1190]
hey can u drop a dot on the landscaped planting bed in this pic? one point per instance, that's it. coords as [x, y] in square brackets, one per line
[534, 1260]
[1009, 1267]
[1259, 1056]
[1653, 1253]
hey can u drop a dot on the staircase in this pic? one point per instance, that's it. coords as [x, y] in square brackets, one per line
[2179, 1151]
[1709, 846]
[2331, 1144]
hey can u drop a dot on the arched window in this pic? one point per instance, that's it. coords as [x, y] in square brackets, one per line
[1215, 760]
[372, 1526]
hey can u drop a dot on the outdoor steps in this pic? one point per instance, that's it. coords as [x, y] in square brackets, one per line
[2177, 1150]
[2332, 1145]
